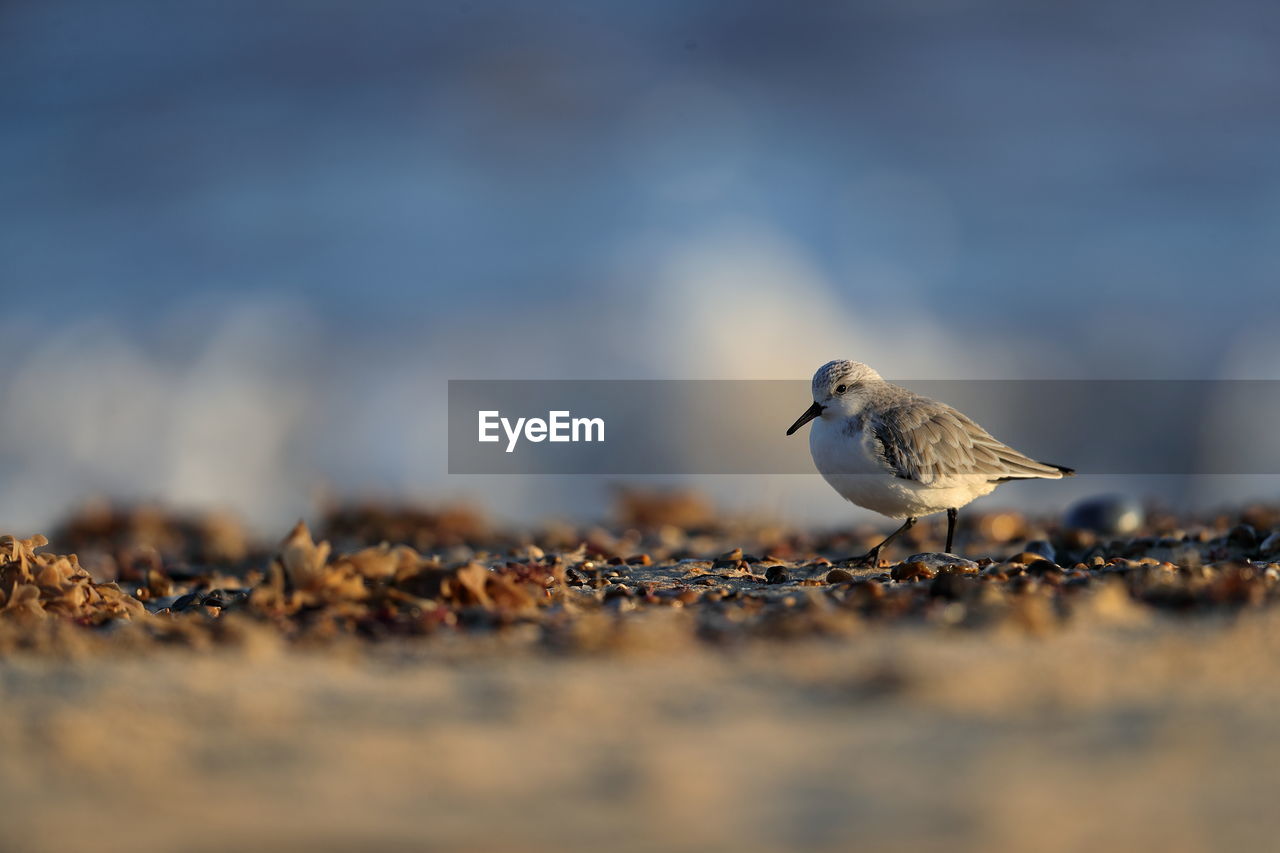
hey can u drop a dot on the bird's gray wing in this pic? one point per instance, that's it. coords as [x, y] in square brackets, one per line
[931, 443]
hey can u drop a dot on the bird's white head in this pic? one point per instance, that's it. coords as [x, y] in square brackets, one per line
[839, 389]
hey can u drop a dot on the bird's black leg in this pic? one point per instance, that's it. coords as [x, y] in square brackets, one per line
[951, 526]
[872, 557]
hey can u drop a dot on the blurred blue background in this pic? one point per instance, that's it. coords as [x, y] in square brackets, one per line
[244, 245]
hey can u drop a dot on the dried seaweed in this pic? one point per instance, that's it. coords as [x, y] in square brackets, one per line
[732, 579]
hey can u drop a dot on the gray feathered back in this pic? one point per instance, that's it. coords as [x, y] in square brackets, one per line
[930, 442]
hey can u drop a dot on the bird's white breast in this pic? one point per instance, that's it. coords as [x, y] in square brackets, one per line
[839, 446]
[845, 456]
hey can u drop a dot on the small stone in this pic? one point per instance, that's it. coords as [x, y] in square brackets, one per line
[1051, 575]
[951, 586]
[1043, 548]
[775, 575]
[728, 560]
[1243, 536]
[1110, 515]
[168, 601]
[937, 561]
[529, 552]
[839, 576]
[618, 591]
[223, 598]
[185, 602]
[688, 596]
[1270, 546]
[1079, 540]
[867, 589]
[911, 571]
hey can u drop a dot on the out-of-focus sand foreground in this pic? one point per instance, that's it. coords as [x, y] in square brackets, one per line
[1160, 736]
[173, 689]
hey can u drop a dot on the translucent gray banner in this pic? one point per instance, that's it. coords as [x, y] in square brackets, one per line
[673, 427]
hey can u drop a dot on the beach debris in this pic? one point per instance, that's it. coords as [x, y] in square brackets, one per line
[1109, 515]
[576, 588]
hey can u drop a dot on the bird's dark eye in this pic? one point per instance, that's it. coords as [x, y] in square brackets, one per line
[840, 389]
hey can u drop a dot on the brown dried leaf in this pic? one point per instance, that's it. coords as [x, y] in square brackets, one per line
[303, 559]
[23, 604]
[467, 586]
[381, 562]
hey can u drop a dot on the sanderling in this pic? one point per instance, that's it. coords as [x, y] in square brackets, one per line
[902, 455]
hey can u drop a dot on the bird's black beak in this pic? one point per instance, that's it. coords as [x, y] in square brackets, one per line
[809, 414]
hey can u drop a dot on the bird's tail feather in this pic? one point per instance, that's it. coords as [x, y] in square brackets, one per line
[1049, 471]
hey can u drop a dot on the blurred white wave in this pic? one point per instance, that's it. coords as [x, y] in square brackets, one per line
[257, 406]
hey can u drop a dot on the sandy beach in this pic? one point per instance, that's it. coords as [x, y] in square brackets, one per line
[685, 704]
[1153, 736]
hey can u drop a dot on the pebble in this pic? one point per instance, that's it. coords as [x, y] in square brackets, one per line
[1079, 540]
[869, 589]
[839, 576]
[618, 591]
[1043, 548]
[688, 596]
[225, 597]
[1243, 536]
[910, 571]
[1110, 515]
[951, 586]
[775, 575]
[185, 602]
[938, 561]
[1045, 571]
[169, 601]
[728, 560]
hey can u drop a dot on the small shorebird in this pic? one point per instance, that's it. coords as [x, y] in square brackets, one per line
[902, 455]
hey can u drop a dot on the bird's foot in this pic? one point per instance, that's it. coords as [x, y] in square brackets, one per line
[869, 560]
